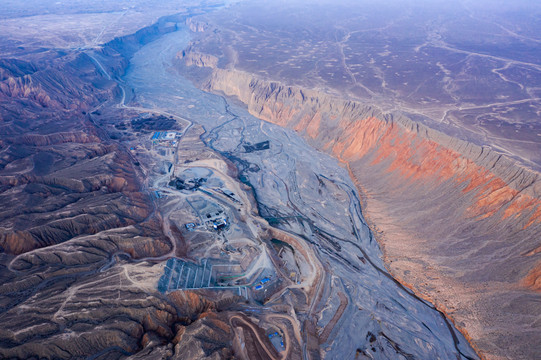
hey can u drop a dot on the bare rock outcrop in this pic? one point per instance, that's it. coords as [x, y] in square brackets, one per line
[197, 25]
[191, 58]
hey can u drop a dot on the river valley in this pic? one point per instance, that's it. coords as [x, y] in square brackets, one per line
[308, 195]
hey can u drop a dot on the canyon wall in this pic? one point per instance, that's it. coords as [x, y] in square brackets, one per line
[458, 223]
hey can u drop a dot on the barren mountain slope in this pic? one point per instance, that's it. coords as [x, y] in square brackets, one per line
[80, 237]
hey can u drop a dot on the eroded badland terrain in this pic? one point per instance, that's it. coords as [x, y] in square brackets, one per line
[269, 180]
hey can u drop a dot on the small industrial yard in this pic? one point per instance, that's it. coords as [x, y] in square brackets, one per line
[230, 248]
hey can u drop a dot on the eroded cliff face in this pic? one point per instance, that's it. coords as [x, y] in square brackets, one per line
[459, 223]
[354, 132]
[198, 59]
